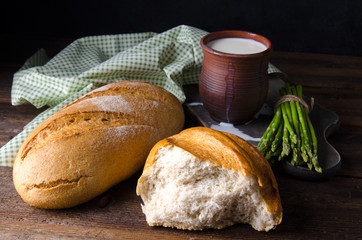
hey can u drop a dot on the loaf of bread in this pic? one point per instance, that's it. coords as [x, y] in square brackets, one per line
[94, 143]
[202, 178]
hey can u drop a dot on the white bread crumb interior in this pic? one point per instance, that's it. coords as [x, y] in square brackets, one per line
[185, 192]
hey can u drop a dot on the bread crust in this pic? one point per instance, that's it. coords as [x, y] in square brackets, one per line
[94, 143]
[227, 151]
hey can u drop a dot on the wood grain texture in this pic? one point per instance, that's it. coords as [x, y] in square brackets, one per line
[312, 210]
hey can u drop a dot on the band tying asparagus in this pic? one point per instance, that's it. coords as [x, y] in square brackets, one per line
[290, 135]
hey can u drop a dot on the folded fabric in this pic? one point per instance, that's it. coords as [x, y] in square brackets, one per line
[170, 59]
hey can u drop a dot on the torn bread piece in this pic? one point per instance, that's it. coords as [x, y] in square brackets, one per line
[202, 178]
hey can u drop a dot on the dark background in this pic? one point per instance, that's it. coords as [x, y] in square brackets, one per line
[313, 26]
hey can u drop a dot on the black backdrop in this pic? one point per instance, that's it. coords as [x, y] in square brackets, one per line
[315, 26]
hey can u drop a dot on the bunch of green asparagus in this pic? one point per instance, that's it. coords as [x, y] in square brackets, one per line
[290, 135]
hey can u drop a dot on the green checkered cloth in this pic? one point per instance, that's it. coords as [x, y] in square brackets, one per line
[170, 59]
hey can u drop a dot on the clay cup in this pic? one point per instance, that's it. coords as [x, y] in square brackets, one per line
[233, 87]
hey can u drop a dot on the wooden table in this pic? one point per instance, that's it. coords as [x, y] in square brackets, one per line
[312, 210]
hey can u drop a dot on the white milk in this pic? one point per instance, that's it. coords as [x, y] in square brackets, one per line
[236, 45]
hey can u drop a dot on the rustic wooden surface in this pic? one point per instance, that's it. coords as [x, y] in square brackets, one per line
[312, 210]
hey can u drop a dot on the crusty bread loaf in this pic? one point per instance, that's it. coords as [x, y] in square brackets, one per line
[94, 143]
[203, 178]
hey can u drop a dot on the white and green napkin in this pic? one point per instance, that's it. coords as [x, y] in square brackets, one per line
[170, 59]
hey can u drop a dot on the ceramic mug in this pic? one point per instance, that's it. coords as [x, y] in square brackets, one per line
[233, 86]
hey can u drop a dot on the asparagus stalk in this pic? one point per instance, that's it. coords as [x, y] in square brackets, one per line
[285, 144]
[293, 108]
[311, 133]
[292, 135]
[278, 139]
[268, 135]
